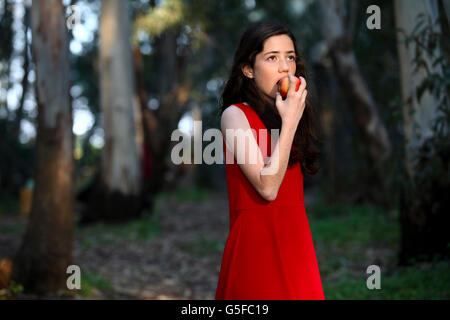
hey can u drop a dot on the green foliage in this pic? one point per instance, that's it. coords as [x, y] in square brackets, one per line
[376, 52]
[12, 290]
[167, 15]
[427, 38]
[430, 185]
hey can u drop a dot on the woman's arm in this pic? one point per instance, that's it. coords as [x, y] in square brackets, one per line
[266, 178]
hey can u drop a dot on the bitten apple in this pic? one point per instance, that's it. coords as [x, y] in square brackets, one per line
[283, 85]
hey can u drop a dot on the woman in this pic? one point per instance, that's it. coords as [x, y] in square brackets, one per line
[269, 253]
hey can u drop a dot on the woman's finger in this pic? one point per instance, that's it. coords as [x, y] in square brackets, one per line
[278, 98]
[302, 84]
[303, 98]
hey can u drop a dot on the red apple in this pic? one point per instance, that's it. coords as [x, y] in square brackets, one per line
[283, 85]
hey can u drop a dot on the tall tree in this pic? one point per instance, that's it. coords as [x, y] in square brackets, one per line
[46, 250]
[164, 23]
[118, 195]
[361, 102]
[424, 203]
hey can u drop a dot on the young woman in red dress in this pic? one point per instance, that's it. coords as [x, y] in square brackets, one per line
[269, 252]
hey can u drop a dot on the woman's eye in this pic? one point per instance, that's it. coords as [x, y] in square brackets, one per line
[292, 58]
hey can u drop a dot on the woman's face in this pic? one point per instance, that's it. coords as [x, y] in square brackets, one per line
[275, 61]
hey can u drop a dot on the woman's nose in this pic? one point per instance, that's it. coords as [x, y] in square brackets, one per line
[283, 66]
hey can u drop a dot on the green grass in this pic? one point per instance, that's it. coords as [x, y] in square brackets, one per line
[421, 281]
[12, 290]
[340, 224]
[196, 194]
[200, 245]
[363, 225]
[140, 230]
[9, 206]
[12, 229]
[343, 234]
[92, 282]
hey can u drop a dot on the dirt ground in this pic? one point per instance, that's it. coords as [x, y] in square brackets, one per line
[182, 261]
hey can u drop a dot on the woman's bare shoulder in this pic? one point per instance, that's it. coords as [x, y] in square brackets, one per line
[234, 117]
[233, 113]
[232, 110]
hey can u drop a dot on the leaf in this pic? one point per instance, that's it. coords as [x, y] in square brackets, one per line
[437, 61]
[417, 26]
[421, 89]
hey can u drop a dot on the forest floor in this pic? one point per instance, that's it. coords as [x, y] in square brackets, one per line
[176, 252]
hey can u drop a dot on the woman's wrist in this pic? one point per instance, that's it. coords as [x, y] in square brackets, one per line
[289, 125]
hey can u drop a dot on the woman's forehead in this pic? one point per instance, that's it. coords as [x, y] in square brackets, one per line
[280, 43]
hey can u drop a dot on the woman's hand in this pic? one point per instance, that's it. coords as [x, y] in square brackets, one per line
[291, 109]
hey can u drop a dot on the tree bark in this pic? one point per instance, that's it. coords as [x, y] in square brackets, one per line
[117, 196]
[325, 86]
[46, 250]
[424, 202]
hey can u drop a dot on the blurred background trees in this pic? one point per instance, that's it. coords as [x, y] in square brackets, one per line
[138, 70]
[425, 80]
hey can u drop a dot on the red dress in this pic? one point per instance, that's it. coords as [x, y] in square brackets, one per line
[269, 253]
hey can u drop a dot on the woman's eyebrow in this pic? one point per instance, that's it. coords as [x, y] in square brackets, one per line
[290, 51]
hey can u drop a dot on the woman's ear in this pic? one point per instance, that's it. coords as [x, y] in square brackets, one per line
[247, 71]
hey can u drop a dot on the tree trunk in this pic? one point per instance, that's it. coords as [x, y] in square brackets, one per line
[117, 196]
[172, 96]
[326, 89]
[424, 203]
[165, 49]
[46, 251]
[360, 101]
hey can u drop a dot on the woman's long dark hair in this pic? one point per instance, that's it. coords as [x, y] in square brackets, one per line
[240, 89]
